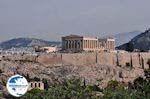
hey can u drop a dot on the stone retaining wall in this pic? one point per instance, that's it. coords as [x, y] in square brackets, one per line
[138, 60]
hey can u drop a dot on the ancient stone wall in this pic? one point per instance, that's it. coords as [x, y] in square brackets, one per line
[137, 60]
[79, 58]
[106, 58]
[50, 59]
[28, 58]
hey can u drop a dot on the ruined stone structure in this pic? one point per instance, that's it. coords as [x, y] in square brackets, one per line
[75, 43]
[36, 84]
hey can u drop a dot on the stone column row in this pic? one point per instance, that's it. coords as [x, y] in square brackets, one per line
[90, 44]
[110, 45]
[73, 44]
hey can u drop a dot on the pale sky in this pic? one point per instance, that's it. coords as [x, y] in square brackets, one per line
[51, 19]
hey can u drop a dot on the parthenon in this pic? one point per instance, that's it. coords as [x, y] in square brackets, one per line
[76, 43]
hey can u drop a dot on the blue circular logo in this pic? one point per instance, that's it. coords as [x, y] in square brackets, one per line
[17, 85]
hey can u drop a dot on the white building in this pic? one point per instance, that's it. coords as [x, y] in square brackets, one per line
[50, 49]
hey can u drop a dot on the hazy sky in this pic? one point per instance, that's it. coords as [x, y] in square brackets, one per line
[50, 19]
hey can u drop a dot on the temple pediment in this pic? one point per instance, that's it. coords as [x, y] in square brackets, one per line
[73, 36]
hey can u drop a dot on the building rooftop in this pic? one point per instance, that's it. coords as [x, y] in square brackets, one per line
[72, 35]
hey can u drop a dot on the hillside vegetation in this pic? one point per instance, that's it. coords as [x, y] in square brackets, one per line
[140, 42]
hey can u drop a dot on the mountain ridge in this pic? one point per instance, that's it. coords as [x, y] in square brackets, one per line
[140, 42]
[27, 42]
[122, 38]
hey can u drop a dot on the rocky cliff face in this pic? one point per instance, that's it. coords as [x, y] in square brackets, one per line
[92, 73]
[141, 42]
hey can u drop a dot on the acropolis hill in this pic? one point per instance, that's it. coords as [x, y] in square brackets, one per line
[92, 59]
[91, 66]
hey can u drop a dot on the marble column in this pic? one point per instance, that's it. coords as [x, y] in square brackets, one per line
[80, 44]
[68, 44]
[86, 43]
[91, 43]
[74, 46]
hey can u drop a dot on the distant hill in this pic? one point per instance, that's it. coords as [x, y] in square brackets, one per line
[125, 37]
[141, 42]
[27, 42]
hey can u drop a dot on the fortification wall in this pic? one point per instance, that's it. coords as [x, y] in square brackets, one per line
[79, 58]
[106, 58]
[138, 60]
[50, 59]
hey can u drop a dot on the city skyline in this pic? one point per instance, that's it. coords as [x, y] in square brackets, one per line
[51, 19]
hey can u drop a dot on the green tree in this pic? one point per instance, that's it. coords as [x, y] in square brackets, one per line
[128, 64]
[147, 73]
[129, 47]
[116, 90]
[1, 71]
[34, 94]
[142, 88]
[1, 94]
[142, 63]
[117, 61]
[148, 62]
[69, 89]
[131, 62]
